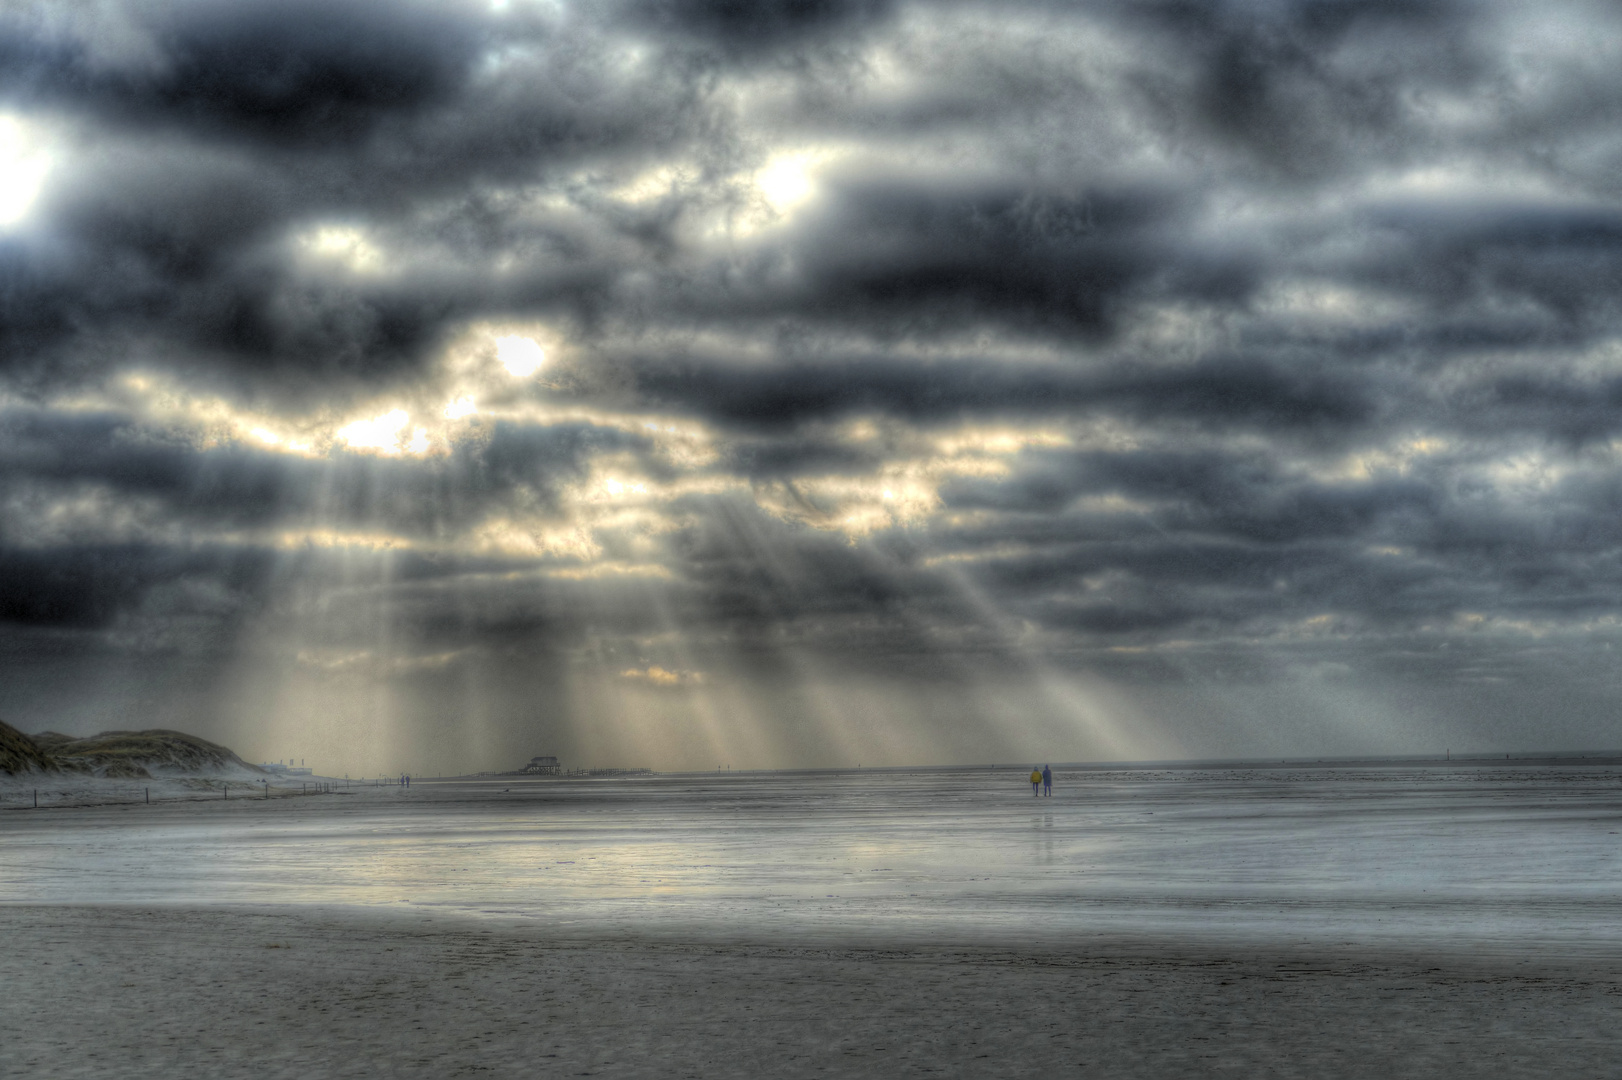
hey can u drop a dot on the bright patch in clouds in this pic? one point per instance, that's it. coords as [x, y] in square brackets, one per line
[342, 244]
[381, 433]
[786, 181]
[619, 487]
[654, 675]
[22, 170]
[521, 356]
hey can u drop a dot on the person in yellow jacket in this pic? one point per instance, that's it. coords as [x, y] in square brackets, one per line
[1036, 782]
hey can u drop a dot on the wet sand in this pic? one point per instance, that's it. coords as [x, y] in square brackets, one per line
[110, 992]
[1309, 923]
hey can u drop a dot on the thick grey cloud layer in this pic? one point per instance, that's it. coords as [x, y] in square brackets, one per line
[920, 381]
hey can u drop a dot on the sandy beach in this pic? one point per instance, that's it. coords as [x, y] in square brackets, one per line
[826, 926]
[133, 992]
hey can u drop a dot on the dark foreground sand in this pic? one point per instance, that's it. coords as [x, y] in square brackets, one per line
[318, 992]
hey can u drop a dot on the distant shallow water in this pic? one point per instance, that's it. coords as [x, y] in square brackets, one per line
[1466, 858]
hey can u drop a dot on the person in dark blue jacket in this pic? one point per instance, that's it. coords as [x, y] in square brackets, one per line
[1047, 780]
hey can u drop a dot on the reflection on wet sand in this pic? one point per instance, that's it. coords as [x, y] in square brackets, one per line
[1473, 857]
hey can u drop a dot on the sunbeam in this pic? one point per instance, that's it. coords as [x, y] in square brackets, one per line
[805, 390]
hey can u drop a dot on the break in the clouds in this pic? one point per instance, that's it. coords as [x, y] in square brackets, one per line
[684, 382]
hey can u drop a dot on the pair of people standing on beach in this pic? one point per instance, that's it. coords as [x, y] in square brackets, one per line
[1042, 782]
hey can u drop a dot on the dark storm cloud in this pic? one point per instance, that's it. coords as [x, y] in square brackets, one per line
[1565, 261]
[741, 27]
[1299, 87]
[1218, 390]
[175, 256]
[1312, 303]
[238, 126]
[108, 450]
[1212, 541]
[87, 587]
[1577, 410]
[232, 486]
[172, 253]
[922, 258]
[292, 72]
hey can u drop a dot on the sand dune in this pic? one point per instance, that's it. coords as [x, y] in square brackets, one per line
[19, 754]
[119, 754]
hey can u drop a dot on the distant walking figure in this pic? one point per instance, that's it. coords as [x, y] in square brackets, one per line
[1036, 782]
[1047, 780]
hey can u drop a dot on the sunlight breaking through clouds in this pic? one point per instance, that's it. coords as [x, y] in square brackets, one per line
[387, 434]
[789, 179]
[24, 164]
[655, 675]
[343, 246]
[941, 382]
[521, 356]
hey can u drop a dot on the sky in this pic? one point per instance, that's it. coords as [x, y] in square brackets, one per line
[688, 383]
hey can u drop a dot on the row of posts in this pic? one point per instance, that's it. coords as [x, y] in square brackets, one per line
[322, 788]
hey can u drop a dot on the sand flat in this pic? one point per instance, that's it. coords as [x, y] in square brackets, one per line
[1464, 859]
[1376, 923]
[312, 992]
